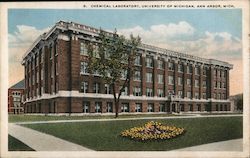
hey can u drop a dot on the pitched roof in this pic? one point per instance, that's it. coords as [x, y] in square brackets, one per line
[19, 85]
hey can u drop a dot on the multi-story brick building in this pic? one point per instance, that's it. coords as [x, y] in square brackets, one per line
[15, 98]
[57, 78]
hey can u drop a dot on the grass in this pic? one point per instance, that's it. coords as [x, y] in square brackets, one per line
[16, 145]
[28, 118]
[105, 135]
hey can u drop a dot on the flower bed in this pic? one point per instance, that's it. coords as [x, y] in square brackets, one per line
[152, 131]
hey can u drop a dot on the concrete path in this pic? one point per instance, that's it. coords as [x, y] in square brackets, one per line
[122, 119]
[229, 145]
[42, 142]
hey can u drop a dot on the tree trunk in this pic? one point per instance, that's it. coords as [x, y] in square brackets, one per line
[116, 108]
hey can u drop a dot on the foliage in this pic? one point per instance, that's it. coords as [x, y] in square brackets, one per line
[16, 145]
[113, 58]
[152, 131]
[239, 102]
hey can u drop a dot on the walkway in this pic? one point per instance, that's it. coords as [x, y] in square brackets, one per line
[123, 119]
[42, 142]
[229, 145]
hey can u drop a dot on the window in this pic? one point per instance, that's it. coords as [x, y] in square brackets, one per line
[198, 107]
[204, 72]
[83, 49]
[180, 94]
[190, 107]
[223, 85]
[84, 67]
[197, 71]
[37, 60]
[196, 82]
[137, 60]
[180, 67]
[98, 107]
[41, 74]
[84, 87]
[160, 64]
[225, 74]
[219, 73]
[106, 54]
[149, 62]
[171, 80]
[96, 51]
[215, 95]
[204, 95]
[160, 78]
[50, 51]
[219, 84]
[171, 66]
[107, 89]
[41, 56]
[96, 73]
[137, 76]
[96, 87]
[85, 107]
[109, 107]
[162, 108]
[160, 93]
[189, 94]
[223, 96]
[217, 107]
[215, 73]
[125, 107]
[189, 82]
[150, 107]
[138, 107]
[180, 81]
[219, 96]
[215, 84]
[37, 76]
[225, 108]
[171, 92]
[221, 107]
[149, 92]
[125, 91]
[149, 77]
[182, 107]
[137, 91]
[125, 73]
[189, 69]
[204, 83]
[196, 95]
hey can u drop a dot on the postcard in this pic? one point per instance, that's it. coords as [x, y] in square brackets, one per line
[125, 79]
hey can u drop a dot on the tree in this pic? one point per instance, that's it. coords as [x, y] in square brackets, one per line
[113, 58]
[239, 102]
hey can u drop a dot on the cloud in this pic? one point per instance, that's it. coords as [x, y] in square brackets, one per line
[24, 36]
[183, 37]
[160, 32]
[19, 42]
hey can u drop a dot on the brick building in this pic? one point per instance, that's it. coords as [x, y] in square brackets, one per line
[57, 78]
[15, 98]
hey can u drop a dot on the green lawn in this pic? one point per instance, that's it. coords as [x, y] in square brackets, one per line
[105, 135]
[16, 145]
[27, 118]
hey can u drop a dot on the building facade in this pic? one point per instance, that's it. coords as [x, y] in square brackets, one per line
[15, 98]
[57, 79]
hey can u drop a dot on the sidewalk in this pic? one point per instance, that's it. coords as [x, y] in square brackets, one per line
[229, 145]
[123, 119]
[42, 142]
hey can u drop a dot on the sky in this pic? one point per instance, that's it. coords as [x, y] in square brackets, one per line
[208, 33]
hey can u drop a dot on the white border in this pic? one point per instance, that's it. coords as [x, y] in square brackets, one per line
[244, 4]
